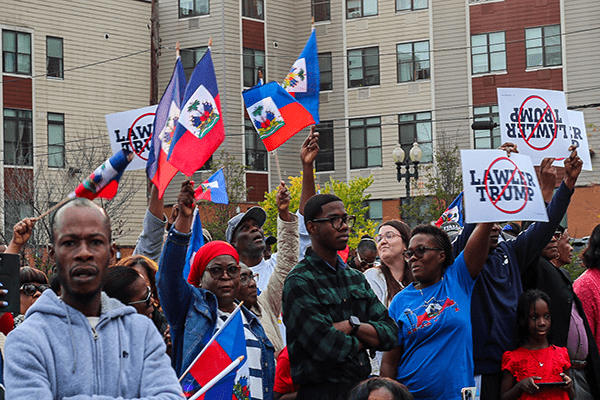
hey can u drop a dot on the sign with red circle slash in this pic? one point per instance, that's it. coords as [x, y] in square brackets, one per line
[499, 188]
[536, 121]
[132, 130]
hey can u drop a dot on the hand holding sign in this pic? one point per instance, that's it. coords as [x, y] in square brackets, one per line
[573, 165]
[509, 148]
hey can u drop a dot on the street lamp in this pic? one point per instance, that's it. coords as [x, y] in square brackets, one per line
[415, 156]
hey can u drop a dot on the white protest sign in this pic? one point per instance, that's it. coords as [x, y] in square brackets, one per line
[536, 121]
[500, 188]
[578, 138]
[132, 130]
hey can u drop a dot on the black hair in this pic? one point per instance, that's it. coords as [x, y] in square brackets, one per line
[366, 244]
[314, 205]
[119, 282]
[393, 287]
[79, 202]
[526, 301]
[441, 239]
[147, 264]
[591, 255]
[32, 275]
[364, 388]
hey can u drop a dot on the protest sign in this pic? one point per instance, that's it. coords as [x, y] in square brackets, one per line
[499, 188]
[132, 130]
[536, 121]
[579, 139]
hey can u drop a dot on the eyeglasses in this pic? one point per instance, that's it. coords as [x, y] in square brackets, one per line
[387, 236]
[146, 300]
[246, 278]
[337, 221]
[217, 272]
[364, 262]
[30, 289]
[419, 252]
[557, 235]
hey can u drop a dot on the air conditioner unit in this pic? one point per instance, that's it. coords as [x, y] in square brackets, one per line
[355, 14]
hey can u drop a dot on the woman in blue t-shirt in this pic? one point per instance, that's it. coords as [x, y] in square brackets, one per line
[434, 357]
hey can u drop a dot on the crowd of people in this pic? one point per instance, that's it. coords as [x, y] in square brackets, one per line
[423, 313]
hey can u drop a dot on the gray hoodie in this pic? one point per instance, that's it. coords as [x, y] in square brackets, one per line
[56, 354]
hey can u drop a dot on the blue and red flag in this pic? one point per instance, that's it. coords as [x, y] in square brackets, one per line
[159, 170]
[224, 347]
[199, 131]
[303, 82]
[454, 212]
[275, 114]
[103, 183]
[213, 189]
[196, 241]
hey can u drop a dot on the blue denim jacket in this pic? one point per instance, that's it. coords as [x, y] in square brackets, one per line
[192, 312]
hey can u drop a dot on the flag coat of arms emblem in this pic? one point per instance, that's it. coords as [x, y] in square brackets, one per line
[454, 212]
[275, 114]
[213, 189]
[199, 131]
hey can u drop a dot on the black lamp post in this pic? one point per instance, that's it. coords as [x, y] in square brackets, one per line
[415, 156]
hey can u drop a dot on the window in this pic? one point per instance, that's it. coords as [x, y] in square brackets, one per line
[56, 140]
[192, 8]
[18, 144]
[488, 52]
[16, 52]
[363, 67]
[253, 9]
[417, 127]
[15, 211]
[543, 46]
[254, 61]
[320, 10]
[375, 212]
[189, 59]
[486, 139]
[54, 57]
[256, 152]
[408, 5]
[365, 142]
[326, 67]
[413, 61]
[326, 158]
[360, 8]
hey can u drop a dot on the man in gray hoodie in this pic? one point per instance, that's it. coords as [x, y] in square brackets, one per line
[85, 345]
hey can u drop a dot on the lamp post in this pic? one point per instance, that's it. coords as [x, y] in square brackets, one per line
[415, 156]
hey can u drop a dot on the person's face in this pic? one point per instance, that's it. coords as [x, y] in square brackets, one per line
[324, 233]
[565, 250]
[366, 259]
[249, 237]
[140, 300]
[248, 293]
[226, 287]
[494, 235]
[82, 252]
[550, 252]
[391, 246]
[142, 271]
[428, 269]
[27, 297]
[539, 321]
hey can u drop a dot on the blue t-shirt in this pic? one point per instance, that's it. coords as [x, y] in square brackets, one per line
[434, 327]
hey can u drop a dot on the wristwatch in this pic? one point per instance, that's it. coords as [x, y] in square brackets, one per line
[355, 324]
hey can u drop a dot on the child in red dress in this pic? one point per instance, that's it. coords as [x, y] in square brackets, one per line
[537, 362]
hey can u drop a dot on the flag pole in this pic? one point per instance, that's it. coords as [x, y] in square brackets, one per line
[217, 378]
[177, 50]
[277, 162]
[36, 219]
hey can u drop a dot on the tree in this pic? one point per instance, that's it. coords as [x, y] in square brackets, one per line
[441, 184]
[351, 193]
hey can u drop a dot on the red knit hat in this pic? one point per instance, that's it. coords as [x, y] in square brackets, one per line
[205, 254]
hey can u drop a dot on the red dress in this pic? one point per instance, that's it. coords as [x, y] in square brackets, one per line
[547, 363]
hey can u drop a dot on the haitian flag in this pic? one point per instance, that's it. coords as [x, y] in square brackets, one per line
[454, 212]
[199, 131]
[213, 189]
[304, 80]
[275, 114]
[196, 241]
[159, 170]
[103, 183]
[227, 344]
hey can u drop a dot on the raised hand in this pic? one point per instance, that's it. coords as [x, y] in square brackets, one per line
[21, 233]
[283, 199]
[573, 165]
[509, 148]
[310, 147]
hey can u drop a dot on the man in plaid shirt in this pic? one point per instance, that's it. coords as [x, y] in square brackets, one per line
[331, 314]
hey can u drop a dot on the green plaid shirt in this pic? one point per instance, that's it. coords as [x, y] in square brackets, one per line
[315, 295]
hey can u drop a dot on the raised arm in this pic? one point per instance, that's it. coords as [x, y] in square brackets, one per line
[477, 248]
[150, 241]
[308, 154]
[21, 233]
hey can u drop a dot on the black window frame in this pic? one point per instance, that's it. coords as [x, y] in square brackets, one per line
[413, 124]
[326, 75]
[321, 10]
[54, 64]
[366, 124]
[56, 150]
[490, 50]
[17, 54]
[416, 74]
[190, 57]
[255, 151]
[19, 154]
[249, 63]
[493, 112]
[326, 157]
[359, 11]
[197, 9]
[412, 5]
[544, 38]
[253, 9]
[364, 81]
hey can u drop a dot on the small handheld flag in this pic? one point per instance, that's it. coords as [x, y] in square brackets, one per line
[213, 189]
[159, 170]
[454, 212]
[275, 114]
[199, 131]
[103, 183]
[303, 81]
[196, 241]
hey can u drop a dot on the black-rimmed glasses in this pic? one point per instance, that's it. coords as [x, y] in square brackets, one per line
[337, 222]
[217, 272]
[364, 262]
[419, 252]
[146, 300]
[30, 289]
